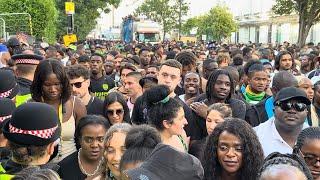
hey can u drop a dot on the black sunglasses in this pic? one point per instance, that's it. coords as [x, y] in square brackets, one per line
[286, 106]
[77, 84]
[117, 111]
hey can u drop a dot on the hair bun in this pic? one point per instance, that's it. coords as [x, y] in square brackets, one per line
[142, 136]
[156, 94]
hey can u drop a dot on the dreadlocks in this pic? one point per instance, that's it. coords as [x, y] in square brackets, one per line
[212, 80]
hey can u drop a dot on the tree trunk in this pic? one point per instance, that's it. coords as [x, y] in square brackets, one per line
[164, 33]
[304, 28]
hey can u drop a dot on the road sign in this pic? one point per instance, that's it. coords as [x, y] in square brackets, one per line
[68, 39]
[204, 37]
[69, 6]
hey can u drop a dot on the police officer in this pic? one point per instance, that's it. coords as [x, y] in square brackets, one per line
[32, 133]
[26, 65]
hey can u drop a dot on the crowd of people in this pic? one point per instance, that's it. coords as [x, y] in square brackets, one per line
[175, 111]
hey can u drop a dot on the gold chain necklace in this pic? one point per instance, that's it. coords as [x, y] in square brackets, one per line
[84, 171]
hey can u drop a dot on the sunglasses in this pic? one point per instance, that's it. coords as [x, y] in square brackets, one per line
[286, 106]
[117, 111]
[77, 84]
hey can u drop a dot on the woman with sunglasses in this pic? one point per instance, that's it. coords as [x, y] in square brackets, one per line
[308, 147]
[115, 147]
[88, 162]
[167, 116]
[116, 109]
[232, 151]
[51, 86]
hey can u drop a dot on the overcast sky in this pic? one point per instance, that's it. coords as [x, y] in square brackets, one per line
[197, 7]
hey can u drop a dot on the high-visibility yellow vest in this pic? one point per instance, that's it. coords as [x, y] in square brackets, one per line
[3, 175]
[21, 99]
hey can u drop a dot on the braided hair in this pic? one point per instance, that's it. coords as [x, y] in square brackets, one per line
[294, 160]
[305, 135]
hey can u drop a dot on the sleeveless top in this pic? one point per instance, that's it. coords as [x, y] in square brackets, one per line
[67, 145]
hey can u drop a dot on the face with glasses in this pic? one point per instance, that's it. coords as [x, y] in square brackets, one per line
[310, 152]
[290, 113]
[92, 141]
[80, 86]
[115, 113]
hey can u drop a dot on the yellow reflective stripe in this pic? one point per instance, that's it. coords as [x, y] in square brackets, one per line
[2, 170]
[21, 99]
[4, 176]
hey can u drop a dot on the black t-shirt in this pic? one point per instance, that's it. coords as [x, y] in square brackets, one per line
[95, 106]
[179, 89]
[69, 168]
[139, 112]
[100, 87]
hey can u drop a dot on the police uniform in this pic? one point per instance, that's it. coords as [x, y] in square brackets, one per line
[25, 84]
[42, 129]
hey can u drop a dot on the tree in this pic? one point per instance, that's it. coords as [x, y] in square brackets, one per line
[43, 14]
[220, 23]
[165, 12]
[86, 13]
[217, 24]
[190, 24]
[308, 11]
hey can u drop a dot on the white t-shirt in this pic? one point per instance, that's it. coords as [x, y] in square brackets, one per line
[270, 139]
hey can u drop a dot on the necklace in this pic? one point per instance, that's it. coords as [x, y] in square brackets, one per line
[84, 171]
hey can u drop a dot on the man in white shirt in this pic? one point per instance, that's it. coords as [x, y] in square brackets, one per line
[279, 134]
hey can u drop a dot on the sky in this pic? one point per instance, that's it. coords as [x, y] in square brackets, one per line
[197, 7]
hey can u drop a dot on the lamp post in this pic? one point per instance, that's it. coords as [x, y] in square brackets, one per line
[180, 14]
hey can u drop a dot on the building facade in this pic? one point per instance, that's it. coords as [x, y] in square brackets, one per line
[258, 24]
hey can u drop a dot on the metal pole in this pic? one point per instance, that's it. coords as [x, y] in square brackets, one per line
[180, 4]
[30, 19]
[4, 29]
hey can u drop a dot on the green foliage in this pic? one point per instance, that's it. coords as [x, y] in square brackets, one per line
[165, 12]
[217, 24]
[284, 7]
[43, 13]
[189, 25]
[86, 13]
[308, 11]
